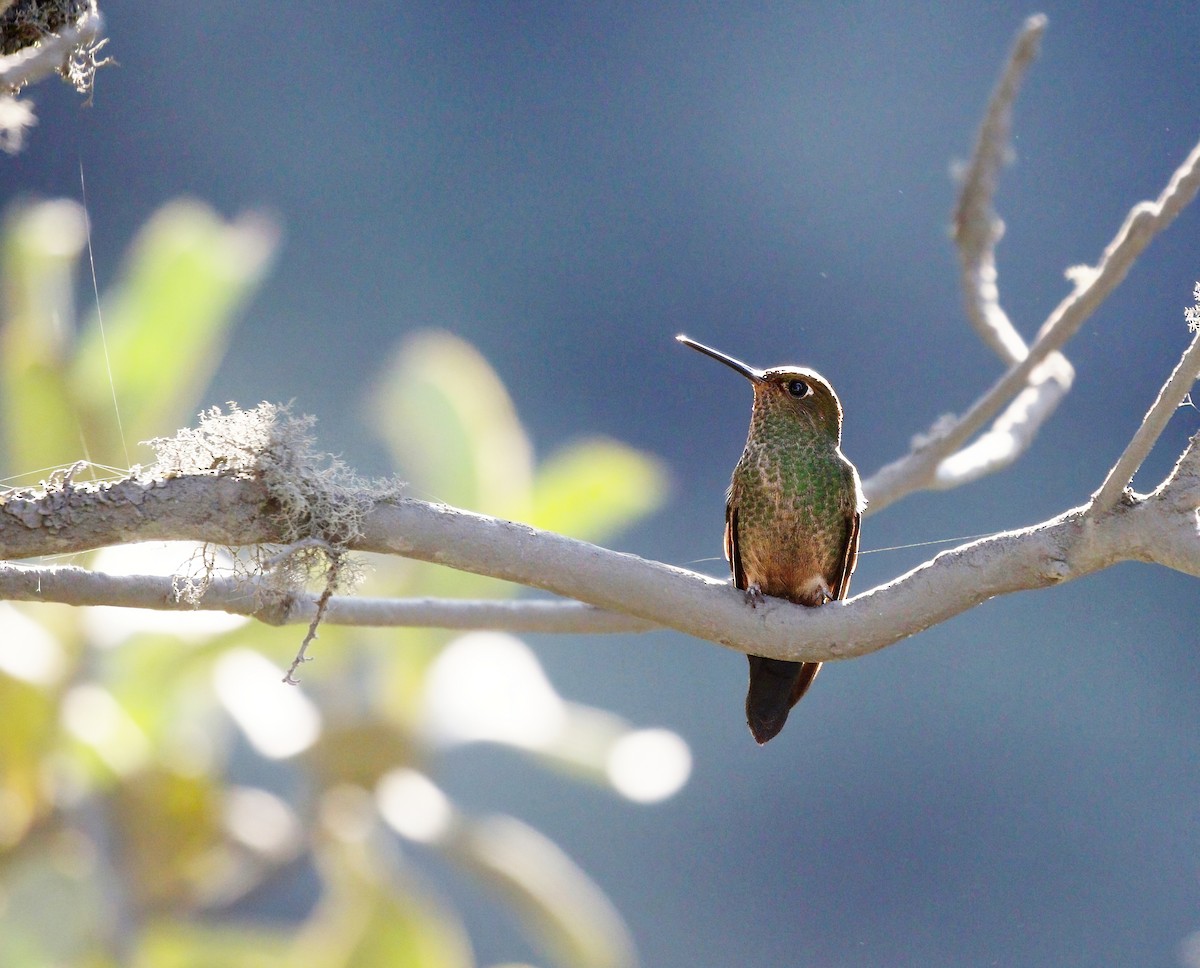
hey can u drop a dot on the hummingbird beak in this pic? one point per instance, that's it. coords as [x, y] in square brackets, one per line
[749, 372]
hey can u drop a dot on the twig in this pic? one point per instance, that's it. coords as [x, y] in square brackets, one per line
[257, 599]
[977, 231]
[918, 470]
[332, 576]
[976, 226]
[1169, 399]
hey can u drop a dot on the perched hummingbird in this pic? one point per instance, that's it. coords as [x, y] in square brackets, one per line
[791, 517]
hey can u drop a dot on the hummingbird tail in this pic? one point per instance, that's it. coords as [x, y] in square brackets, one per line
[775, 687]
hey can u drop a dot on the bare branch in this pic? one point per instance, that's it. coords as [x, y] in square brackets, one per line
[919, 470]
[332, 578]
[258, 599]
[67, 517]
[1037, 381]
[265, 487]
[1159, 528]
[1181, 380]
[977, 229]
[1013, 431]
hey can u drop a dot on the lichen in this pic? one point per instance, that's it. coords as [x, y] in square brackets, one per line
[38, 37]
[318, 502]
[26, 22]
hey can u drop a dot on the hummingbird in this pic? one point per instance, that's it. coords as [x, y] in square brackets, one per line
[791, 517]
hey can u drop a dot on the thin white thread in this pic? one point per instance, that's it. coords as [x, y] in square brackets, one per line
[903, 547]
[923, 544]
[99, 314]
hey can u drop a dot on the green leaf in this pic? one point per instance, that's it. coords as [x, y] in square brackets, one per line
[41, 246]
[596, 487]
[170, 826]
[166, 322]
[25, 746]
[452, 429]
[560, 906]
[371, 917]
[176, 944]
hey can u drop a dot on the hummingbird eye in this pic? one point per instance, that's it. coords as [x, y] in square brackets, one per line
[798, 389]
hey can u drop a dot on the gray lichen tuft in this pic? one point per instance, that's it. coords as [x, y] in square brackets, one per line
[24, 23]
[40, 37]
[318, 503]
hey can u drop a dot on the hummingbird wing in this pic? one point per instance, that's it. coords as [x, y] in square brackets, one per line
[840, 583]
[732, 555]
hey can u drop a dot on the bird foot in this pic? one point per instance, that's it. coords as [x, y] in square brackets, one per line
[754, 595]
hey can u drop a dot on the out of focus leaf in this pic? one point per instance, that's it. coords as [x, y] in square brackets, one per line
[166, 321]
[172, 944]
[32, 664]
[54, 907]
[365, 920]
[28, 735]
[595, 487]
[359, 753]
[41, 246]
[452, 428]
[169, 828]
[561, 907]
[154, 677]
[34, 445]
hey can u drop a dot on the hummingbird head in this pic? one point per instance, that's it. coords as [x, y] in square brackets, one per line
[795, 391]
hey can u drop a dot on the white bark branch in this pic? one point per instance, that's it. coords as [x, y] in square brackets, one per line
[977, 229]
[1013, 431]
[266, 496]
[919, 470]
[258, 599]
[1181, 380]
[1158, 528]
[977, 232]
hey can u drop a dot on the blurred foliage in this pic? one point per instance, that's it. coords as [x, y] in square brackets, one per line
[137, 823]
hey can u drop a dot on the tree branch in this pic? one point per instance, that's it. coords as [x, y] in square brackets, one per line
[258, 598]
[977, 232]
[977, 229]
[1160, 528]
[1181, 380]
[271, 491]
[919, 470]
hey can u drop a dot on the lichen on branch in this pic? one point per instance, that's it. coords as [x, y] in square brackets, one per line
[316, 503]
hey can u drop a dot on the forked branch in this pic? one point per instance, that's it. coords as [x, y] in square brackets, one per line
[269, 493]
[1039, 377]
[632, 593]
